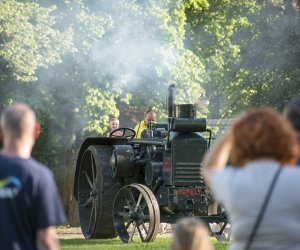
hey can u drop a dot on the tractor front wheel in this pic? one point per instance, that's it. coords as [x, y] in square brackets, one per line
[136, 214]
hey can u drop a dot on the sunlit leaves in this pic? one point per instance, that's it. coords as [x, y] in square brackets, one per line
[90, 25]
[99, 106]
[29, 39]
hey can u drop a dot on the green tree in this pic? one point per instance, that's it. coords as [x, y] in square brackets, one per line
[270, 58]
[211, 28]
[29, 40]
[250, 51]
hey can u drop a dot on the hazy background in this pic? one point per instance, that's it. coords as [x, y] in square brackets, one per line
[79, 62]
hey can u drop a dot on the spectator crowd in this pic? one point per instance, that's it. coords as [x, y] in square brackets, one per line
[251, 170]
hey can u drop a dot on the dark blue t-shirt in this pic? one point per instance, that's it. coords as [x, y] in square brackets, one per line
[29, 201]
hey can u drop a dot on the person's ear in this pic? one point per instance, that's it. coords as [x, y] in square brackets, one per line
[37, 130]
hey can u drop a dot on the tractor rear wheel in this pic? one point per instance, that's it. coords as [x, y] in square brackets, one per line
[96, 192]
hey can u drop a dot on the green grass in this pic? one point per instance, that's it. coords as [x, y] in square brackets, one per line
[113, 244]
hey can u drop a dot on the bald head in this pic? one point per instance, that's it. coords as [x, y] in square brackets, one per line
[18, 121]
[150, 116]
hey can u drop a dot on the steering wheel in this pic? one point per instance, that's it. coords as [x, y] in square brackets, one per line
[121, 132]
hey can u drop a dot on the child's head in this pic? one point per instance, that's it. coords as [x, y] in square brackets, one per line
[114, 123]
[191, 234]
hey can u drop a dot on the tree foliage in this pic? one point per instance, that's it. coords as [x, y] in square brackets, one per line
[250, 50]
[89, 57]
[78, 61]
[29, 39]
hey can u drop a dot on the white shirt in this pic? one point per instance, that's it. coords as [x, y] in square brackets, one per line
[242, 192]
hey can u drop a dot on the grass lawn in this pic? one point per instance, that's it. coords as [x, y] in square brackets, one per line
[113, 244]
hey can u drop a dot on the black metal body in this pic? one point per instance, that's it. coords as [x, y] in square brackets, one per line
[171, 169]
[169, 164]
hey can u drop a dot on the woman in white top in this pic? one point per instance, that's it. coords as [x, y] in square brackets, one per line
[257, 144]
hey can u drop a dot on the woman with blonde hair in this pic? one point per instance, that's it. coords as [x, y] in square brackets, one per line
[259, 189]
[191, 234]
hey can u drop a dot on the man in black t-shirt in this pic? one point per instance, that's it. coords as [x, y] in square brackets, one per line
[30, 206]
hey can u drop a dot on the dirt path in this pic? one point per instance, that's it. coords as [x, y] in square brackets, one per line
[69, 232]
[75, 232]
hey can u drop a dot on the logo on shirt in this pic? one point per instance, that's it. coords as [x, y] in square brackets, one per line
[9, 187]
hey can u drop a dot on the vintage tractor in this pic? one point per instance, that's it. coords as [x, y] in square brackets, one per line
[126, 186]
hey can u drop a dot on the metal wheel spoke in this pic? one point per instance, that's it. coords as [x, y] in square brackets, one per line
[127, 202]
[131, 196]
[138, 202]
[128, 224]
[125, 215]
[144, 205]
[131, 234]
[93, 211]
[141, 234]
[145, 217]
[88, 201]
[93, 167]
[129, 199]
[88, 179]
[96, 205]
[144, 227]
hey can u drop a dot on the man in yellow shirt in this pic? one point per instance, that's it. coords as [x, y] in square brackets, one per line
[150, 116]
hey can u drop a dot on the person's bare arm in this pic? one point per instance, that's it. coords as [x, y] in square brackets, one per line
[47, 239]
[217, 158]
